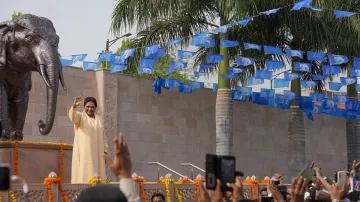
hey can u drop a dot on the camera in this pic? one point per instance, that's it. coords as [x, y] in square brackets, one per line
[220, 167]
[5, 177]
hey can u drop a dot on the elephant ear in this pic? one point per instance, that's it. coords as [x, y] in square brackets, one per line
[6, 33]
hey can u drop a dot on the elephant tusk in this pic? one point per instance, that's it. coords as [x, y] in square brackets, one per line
[62, 80]
[44, 75]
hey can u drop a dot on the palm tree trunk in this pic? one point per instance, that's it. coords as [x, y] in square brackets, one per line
[224, 109]
[296, 133]
[224, 122]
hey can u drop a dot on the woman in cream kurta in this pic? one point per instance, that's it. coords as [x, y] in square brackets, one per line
[89, 145]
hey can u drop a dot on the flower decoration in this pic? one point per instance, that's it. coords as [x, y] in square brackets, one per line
[266, 180]
[96, 179]
[12, 196]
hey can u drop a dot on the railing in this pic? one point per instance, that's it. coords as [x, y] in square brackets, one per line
[167, 168]
[192, 168]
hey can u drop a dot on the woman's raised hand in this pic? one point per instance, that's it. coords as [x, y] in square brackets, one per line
[77, 101]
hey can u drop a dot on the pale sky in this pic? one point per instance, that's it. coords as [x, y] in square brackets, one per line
[83, 26]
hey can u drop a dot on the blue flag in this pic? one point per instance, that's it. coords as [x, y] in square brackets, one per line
[145, 70]
[198, 38]
[146, 62]
[214, 58]
[78, 58]
[330, 70]
[343, 14]
[358, 88]
[355, 72]
[317, 109]
[183, 55]
[294, 53]
[338, 59]
[90, 66]
[282, 102]
[308, 84]
[244, 90]
[272, 11]
[198, 74]
[185, 88]
[197, 85]
[317, 97]
[308, 115]
[243, 22]
[236, 95]
[319, 77]
[335, 86]
[242, 61]
[128, 53]
[302, 67]
[149, 50]
[269, 50]
[105, 56]
[302, 4]
[172, 83]
[159, 54]
[340, 98]
[291, 76]
[204, 42]
[117, 68]
[178, 65]
[306, 104]
[347, 81]
[233, 70]
[252, 81]
[258, 99]
[281, 83]
[229, 76]
[118, 59]
[222, 29]
[175, 41]
[274, 65]
[205, 66]
[65, 62]
[357, 63]
[328, 103]
[264, 74]
[316, 56]
[249, 46]
[158, 84]
[215, 87]
[228, 43]
[289, 95]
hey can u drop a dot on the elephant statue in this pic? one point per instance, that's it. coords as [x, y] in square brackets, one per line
[28, 43]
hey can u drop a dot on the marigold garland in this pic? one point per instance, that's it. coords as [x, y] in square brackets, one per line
[108, 181]
[197, 182]
[12, 195]
[184, 181]
[167, 190]
[16, 158]
[61, 174]
[34, 143]
[93, 181]
[142, 193]
[49, 182]
[177, 193]
[252, 184]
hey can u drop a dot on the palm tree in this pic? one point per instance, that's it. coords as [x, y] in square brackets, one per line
[161, 21]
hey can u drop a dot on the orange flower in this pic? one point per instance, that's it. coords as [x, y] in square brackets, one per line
[16, 158]
[142, 192]
[139, 180]
[61, 163]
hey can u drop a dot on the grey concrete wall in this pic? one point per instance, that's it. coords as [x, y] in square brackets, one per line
[174, 128]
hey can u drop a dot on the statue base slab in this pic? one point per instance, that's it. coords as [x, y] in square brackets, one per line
[35, 160]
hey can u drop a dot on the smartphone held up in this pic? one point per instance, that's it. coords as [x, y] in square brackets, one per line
[220, 167]
[5, 177]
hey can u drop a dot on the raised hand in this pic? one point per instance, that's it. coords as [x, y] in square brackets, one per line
[77, 101]
[318, 172]
[238, 192]
[298, 189]
[121, 166]
[339, 193]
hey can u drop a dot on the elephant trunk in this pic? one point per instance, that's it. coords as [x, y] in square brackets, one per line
[51, 72]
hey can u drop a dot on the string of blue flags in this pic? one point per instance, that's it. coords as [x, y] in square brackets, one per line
[331, 66]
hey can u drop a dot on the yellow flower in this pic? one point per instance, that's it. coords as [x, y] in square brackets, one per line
[93, 181]
[178, 196]
[12, 195]
[107, 181]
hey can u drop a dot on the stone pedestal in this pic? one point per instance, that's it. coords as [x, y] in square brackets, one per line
[36, 161]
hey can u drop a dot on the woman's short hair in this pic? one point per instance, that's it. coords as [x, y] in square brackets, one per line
[90, 99]
[102, 193]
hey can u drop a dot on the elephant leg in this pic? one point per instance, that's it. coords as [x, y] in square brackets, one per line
[18, 108]
[4, 118]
